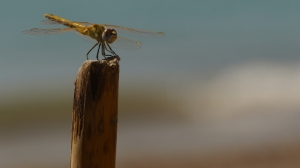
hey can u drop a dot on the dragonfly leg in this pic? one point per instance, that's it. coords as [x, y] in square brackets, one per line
[98, 51]
[103, 51]
[103, 48]
[91, 50]
[110, 50]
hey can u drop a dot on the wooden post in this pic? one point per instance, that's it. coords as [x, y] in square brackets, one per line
[95, 114]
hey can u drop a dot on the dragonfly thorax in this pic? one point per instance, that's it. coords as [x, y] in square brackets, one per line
[109, 35]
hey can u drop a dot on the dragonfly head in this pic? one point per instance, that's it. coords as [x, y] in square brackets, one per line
[109, 35]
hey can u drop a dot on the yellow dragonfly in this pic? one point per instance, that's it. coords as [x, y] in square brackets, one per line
[104, 34]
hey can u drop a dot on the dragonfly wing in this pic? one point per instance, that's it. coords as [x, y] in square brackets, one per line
[84, 23]
[53, 22]
[127, 44]
[87, 38]
[37, 31]
[49, 22]
[135, 32]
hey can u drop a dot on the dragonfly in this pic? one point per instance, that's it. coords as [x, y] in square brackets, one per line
[104, 34]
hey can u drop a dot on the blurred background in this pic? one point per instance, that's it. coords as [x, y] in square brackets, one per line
[220, 90]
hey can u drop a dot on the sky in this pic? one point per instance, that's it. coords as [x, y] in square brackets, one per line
[201, 37]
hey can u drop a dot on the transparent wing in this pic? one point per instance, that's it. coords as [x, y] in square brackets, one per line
[125, 30]
[37, 31]
[127, 44]
[49, 22]
[85, 23]
[130, 31]
[52, 22]
[87, 38]
[120, 43]
[135, 32]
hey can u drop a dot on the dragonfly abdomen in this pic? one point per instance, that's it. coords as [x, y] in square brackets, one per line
[63, 21]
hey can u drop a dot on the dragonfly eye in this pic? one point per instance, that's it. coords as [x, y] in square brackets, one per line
[109, 35]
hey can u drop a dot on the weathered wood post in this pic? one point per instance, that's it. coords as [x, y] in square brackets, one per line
[95, 114]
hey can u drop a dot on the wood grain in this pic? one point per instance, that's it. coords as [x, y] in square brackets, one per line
[95, 115]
